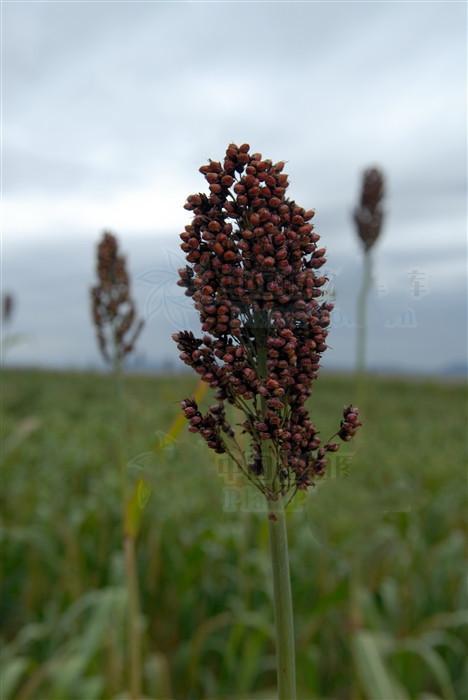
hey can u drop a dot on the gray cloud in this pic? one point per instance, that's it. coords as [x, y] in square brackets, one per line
[111, 107]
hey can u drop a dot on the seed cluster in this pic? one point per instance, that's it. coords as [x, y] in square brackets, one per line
[368, 215]
[252, 270]
[208, 425]
[113, 309]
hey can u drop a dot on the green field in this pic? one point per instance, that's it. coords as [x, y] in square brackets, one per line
[378, 551]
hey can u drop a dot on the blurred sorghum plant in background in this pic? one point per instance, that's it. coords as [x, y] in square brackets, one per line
[368, 218]
[117, 330]
[368, 215]
[113, 309]
[8, 305]
[8, 339]
[253, 261]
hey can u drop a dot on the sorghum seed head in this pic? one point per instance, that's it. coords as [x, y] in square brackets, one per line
[7, 307]
[113, 309]
[368, 215]
[252, 257]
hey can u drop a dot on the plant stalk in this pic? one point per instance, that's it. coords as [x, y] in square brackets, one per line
[134, 633]
[134, 636]
[361, 342]
[282, 596]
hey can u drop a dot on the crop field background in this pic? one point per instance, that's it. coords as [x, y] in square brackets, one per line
[378, 561]
[296, 167]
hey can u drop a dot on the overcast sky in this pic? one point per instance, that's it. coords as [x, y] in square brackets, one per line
[110, 107]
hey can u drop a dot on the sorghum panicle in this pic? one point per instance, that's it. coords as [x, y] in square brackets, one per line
[113, 309]
[253, 274]
[7, 307]
[368, 215]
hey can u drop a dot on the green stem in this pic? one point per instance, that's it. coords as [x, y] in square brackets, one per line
[362, 314]
[282, 596]
[134, 632]
[134, 640]
[284, 620]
